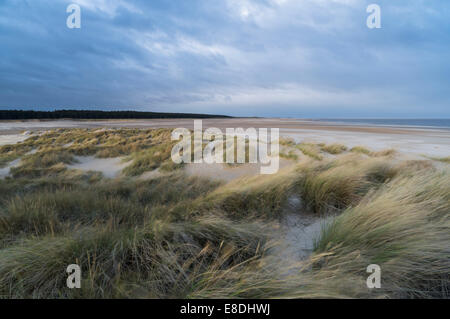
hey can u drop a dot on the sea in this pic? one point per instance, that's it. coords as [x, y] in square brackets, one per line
[413, 123]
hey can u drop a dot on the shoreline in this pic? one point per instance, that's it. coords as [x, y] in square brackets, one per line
[407, 127]
[16, 126]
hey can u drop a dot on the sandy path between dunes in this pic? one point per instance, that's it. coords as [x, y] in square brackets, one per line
[224, 172]
[109, 167]
[12, 139]
[5, 171]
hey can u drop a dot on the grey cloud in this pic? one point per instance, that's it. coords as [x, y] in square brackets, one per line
[285, 58]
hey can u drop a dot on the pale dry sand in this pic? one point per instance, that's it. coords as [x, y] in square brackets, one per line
[300, 234]
[414, 143]
[431, 142]
[151, 175]
[227, 173]
[12, 139]
[221, 171]
[299, 231]
[109, 167]
[5, 171]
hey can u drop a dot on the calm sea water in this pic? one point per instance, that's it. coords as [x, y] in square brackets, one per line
[425, 123]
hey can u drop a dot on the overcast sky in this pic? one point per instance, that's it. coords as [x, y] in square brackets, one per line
[284, 58]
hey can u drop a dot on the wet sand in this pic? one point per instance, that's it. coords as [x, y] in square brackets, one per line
[16, 127]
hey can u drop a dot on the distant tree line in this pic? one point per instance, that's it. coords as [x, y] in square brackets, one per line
[84, 114]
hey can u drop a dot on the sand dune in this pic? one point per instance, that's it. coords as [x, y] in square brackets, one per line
[432, 142]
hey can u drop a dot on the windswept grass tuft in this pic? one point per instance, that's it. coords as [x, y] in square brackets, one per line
[442, 159]
[151, 159]
[9, 153]
[160, 260]
[50, 161]
[334, 148]
[388, 152]
[310, 150]
[260, 196]
[365, 151]
[291, 155]
[360, 149]
[337, 184]
[404, 228]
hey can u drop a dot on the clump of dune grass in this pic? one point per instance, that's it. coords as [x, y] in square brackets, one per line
[151, 159]
[9, 153]
[117, 231]
[360, 149]
[260, 196]
[52, 209]
[175, 236]
[337, 184]
[291, 155]
[50, 161]
[412, 167]
[334, 148]
[388, 152]
[403, 227]
[366, 151]
[442, 159]
[160, 259]
[310, 150]
[287, 142]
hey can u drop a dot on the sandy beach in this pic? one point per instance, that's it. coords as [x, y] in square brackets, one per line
[408, 140]
[126, 178]
[256, 151]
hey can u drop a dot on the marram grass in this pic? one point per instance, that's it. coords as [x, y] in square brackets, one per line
[176, 236]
